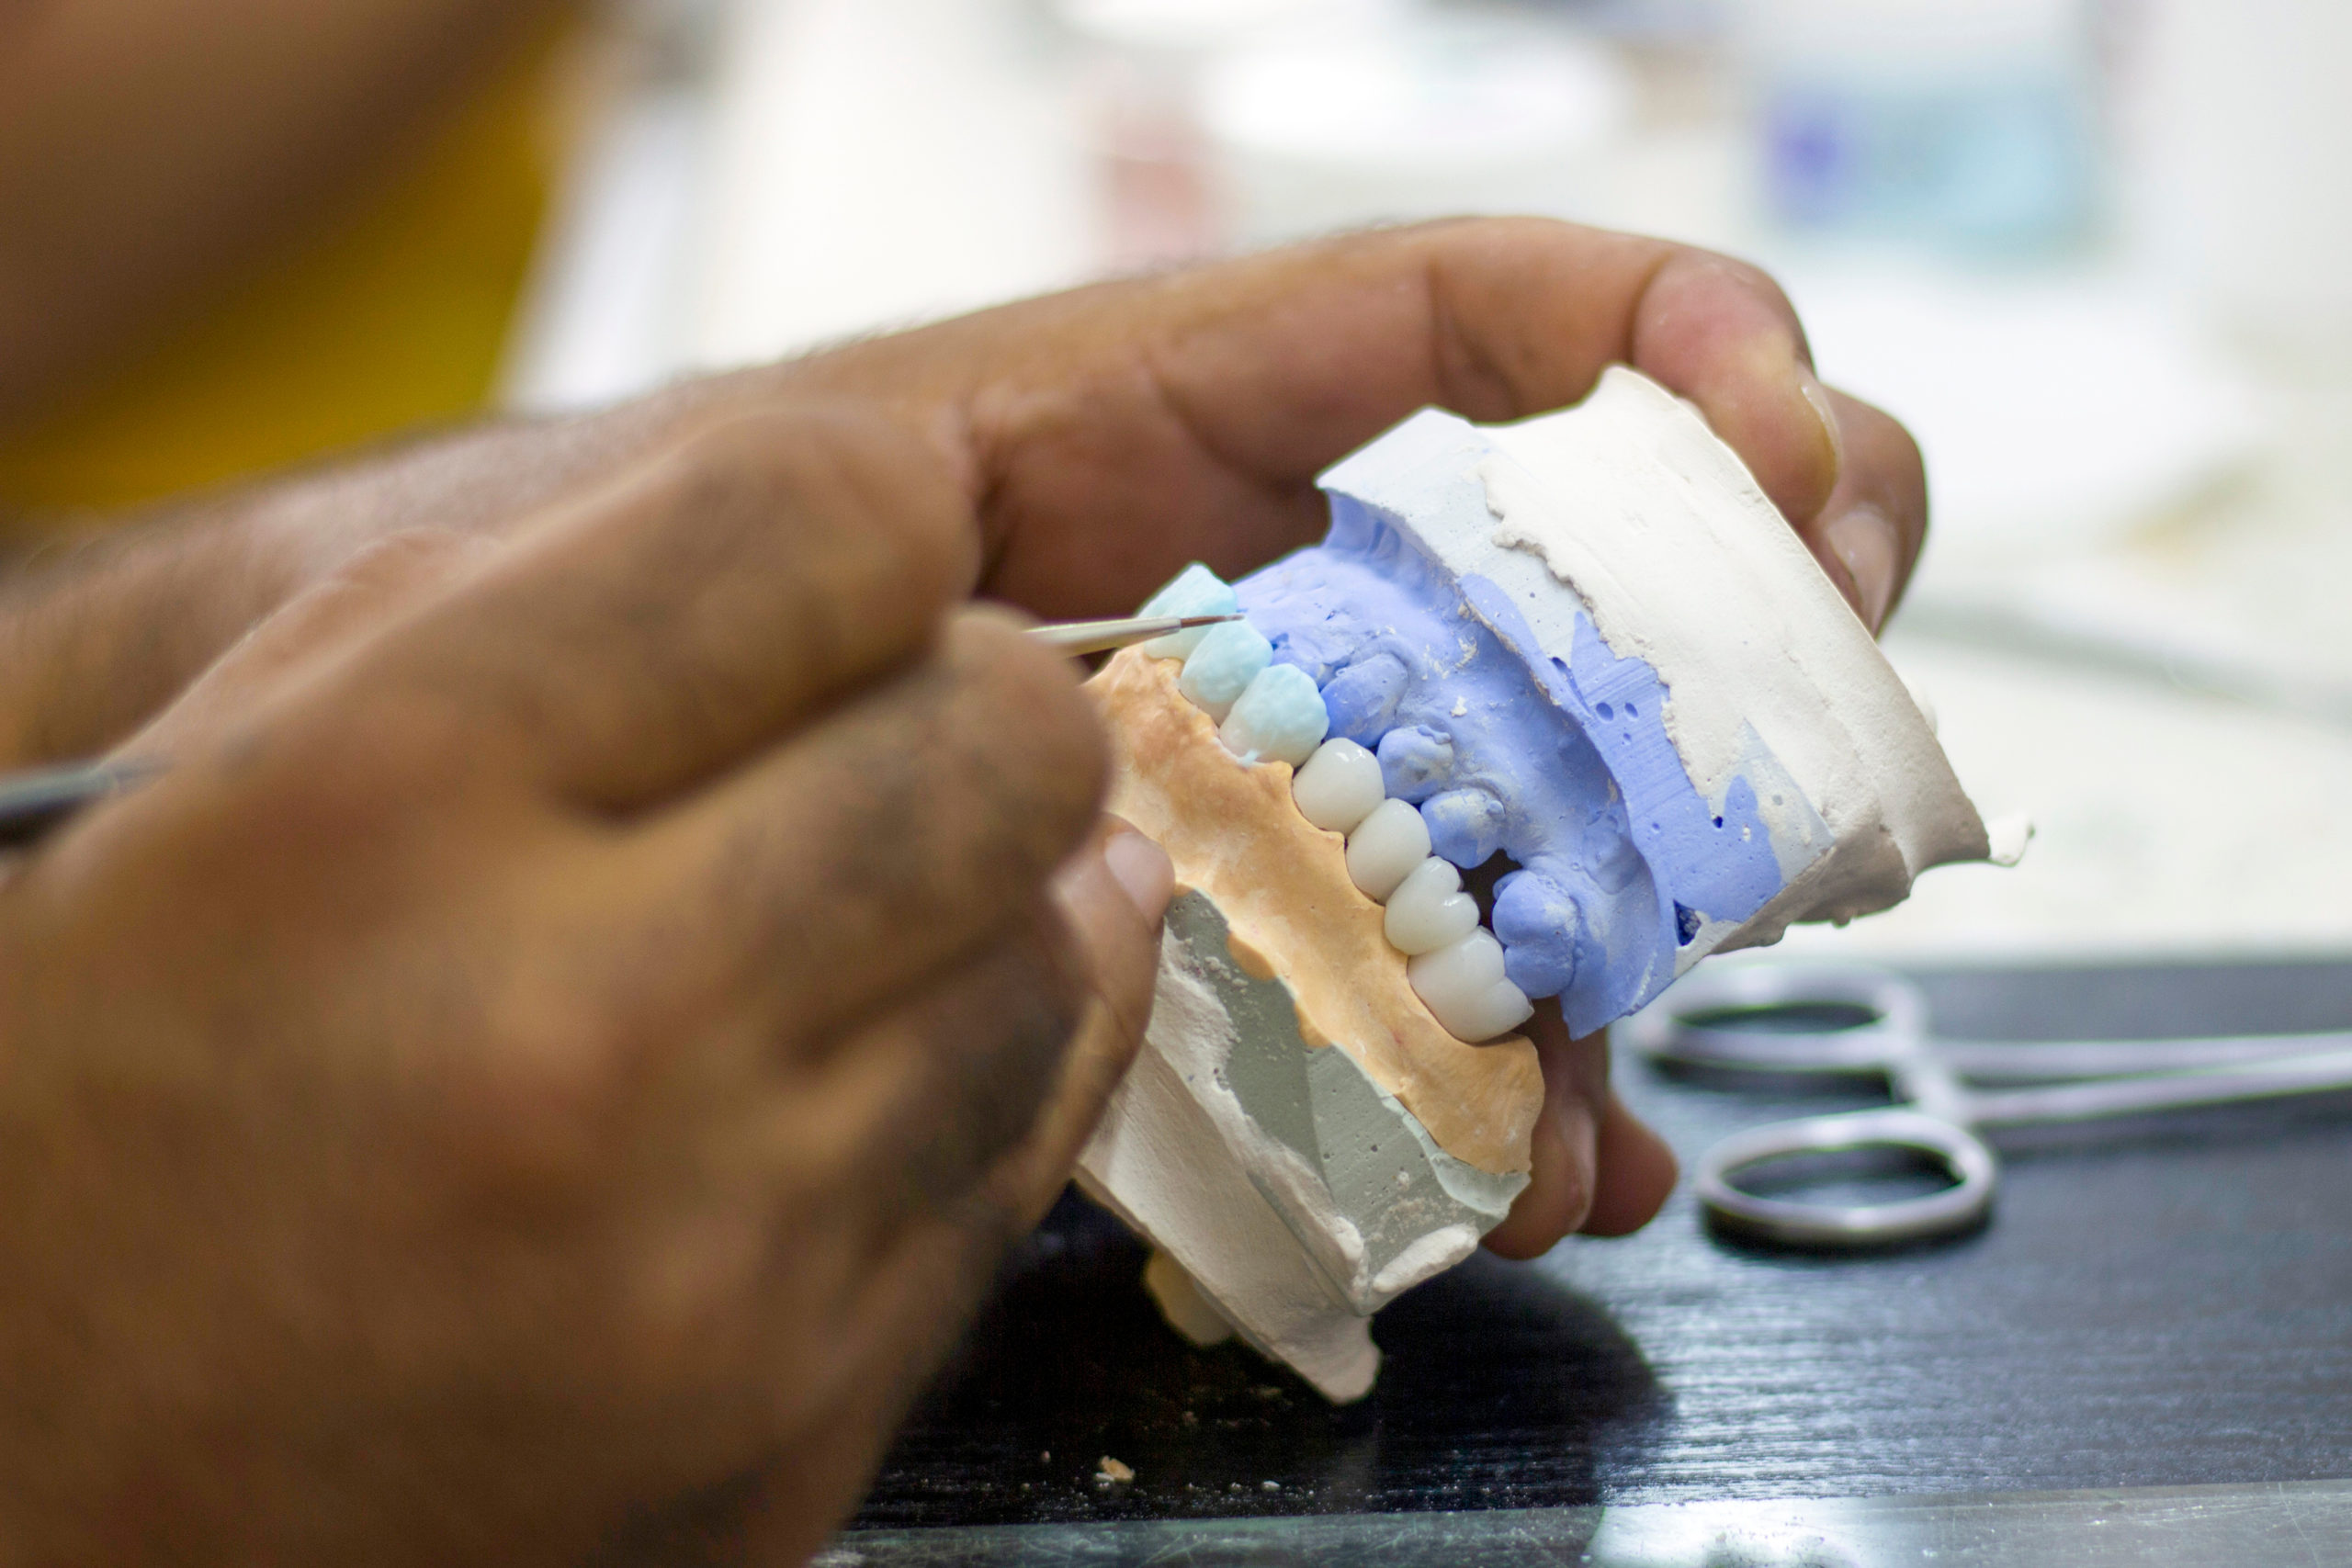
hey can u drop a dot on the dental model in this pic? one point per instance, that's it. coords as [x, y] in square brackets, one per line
[1583, 651]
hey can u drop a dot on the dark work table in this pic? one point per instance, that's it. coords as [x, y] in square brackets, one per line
[2159, 1304]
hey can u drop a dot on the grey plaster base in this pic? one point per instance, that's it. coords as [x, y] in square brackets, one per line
[1298, 1195]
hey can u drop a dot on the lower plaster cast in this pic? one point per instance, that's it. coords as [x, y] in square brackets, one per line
[1229, 1088]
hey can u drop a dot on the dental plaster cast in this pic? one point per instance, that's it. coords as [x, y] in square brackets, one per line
[1585, 643]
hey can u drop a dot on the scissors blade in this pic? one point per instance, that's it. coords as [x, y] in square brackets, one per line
[2316, 1072]
[2056, 1061]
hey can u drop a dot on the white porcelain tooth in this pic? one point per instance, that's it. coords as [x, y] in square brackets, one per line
[1460, 969]
[1386, 847]
[1339, 787]
[1429, 909]
[1463, 987]
[1500, 1008]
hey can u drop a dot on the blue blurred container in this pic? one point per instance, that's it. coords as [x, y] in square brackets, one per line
[1965, 126]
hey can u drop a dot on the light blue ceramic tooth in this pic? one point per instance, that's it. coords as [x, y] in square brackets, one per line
[1279, 717]
[1222, 667]
[1196, 590]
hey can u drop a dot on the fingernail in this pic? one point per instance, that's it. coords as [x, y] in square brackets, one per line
[1143, 872]
[1825, 412]
[1865, 541]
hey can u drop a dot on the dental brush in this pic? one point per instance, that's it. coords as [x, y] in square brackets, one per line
[35, 803]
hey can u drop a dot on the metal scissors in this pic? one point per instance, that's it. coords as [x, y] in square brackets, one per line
[34, 803]
[1848, 1020]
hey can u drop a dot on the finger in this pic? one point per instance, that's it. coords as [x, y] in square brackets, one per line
[1110, 900]
[1197, 409]
[1112, 897]
[798, 1178]
[1565, 1144]
[1870, 533]
[1526, 315]
[1722, 333]
[918, 1301]
[359, 597]
[950, 1083]
[1108, 903]
[921, 1302]
[653, 632]
[1636, 1173]
[901, 835]
[944, 1085]
[899, 1309]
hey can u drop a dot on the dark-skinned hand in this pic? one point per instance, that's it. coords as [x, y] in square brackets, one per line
[577, 1026]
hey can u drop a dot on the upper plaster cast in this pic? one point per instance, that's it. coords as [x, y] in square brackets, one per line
[1588, 642]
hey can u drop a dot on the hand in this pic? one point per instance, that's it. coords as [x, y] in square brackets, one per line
[575, 1028]
[1109, 436]
[1104, 438]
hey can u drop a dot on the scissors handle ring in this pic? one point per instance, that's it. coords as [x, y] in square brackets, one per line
[1699, 1023]
[1961, 1155]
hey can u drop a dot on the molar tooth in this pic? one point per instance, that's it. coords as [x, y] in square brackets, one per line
[1416, 762]
[1363, 697]
[1429, 910]
[1196, 590]
[1339, 787]
[1384, 848]
[1463, 987]
[1222, 667]
[1279, 717]
[1539, 925]
[1465, 826]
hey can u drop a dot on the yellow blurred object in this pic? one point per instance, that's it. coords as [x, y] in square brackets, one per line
[390, 319]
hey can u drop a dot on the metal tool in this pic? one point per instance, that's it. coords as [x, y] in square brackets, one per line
[1076, 637]
[1812, 1021]
[35, 803]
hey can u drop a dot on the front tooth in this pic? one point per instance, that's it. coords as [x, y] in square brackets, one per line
[1500, 1008]
[1458, 970]
[1196, 590]
[1221, 668]
[1384, 848]
[1278, 718]
[1430, 910]
[1463, 987]
[1339, 787]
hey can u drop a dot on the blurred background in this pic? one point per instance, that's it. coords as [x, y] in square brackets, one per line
[2092, 251]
